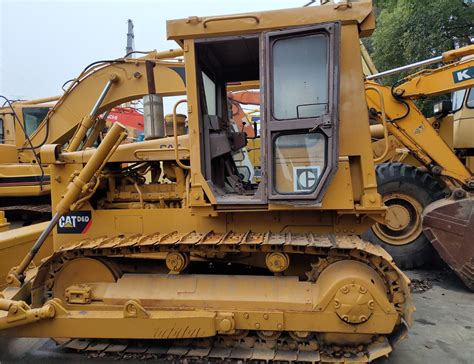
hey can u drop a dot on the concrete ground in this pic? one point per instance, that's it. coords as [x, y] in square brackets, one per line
[443, 331]
[443, 328]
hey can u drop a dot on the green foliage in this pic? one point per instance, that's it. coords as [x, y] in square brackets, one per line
[413, 30]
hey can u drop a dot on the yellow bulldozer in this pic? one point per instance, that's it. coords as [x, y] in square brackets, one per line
[163, 241]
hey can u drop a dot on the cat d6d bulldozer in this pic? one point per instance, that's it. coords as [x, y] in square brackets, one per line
[163, 241]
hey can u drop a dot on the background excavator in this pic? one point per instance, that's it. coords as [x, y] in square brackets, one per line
[25, 189]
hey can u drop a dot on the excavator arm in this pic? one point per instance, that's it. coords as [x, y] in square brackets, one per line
[238, 114]
[104, 86]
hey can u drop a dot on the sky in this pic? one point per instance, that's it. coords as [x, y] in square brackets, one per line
[45, 43]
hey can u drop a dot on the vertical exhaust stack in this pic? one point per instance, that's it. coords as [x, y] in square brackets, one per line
[154, 117]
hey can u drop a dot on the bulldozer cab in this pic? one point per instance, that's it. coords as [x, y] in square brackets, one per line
[297, 72]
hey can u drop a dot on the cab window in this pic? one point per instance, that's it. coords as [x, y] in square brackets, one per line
[457, 99]
[470, 99]
[300, 77]
[33, 116]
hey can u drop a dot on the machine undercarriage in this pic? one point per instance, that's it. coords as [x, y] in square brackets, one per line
[230, 285]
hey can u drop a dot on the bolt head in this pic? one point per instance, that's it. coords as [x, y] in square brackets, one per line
[225, 325]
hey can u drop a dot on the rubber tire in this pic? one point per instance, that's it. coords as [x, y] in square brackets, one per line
[420, 185]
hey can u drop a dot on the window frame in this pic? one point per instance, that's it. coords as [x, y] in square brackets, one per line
[25, 113]
[461, 104]
[2, 131]
[469, 92]
[327, 123]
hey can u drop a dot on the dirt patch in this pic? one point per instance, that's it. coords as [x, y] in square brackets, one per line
[421, 285]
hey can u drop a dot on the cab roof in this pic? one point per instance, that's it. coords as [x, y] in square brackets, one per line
[355, 12]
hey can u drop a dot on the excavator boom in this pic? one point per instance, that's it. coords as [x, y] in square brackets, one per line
[127, 80]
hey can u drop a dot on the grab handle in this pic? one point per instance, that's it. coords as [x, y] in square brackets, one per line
[231, 17]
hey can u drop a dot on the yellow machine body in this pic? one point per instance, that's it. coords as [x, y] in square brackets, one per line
[162, 239]
[17, 179]
[16, 243]
[463, 128]
[421, 161]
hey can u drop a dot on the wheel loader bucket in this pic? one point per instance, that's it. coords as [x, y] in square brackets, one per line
[449, 224]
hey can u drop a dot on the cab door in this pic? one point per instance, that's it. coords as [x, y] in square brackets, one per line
[301, 111]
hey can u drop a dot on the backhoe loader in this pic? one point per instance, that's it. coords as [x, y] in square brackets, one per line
[442, 149]
[162, 241]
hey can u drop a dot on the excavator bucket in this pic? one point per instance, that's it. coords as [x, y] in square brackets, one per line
[449, 224]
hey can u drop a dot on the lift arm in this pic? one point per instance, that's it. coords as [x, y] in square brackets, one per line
[449, 78]
[406, 122]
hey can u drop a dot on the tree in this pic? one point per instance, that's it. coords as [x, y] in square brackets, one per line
[413, 30]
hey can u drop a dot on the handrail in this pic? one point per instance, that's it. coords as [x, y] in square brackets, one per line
[231, 17]
[137, 152]
[175, 132]
[384, 124]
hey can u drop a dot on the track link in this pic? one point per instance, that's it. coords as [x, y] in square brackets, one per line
[250, 348]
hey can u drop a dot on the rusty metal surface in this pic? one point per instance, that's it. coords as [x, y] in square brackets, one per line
[449, 224]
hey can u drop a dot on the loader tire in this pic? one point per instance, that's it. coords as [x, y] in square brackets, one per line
[406, 190]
